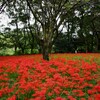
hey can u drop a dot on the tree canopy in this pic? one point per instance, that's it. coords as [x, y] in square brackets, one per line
[44, 21]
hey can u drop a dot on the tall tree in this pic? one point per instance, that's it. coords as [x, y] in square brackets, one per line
[49, 16]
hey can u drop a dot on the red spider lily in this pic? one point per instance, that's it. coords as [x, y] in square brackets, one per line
[71, 98]
[1, 93]
[39, 80]
[97, 97]
[59, 98]
[12, 98]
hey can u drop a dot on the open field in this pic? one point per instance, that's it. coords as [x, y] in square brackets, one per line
[64, 77]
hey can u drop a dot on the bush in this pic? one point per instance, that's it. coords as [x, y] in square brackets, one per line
[35, 51]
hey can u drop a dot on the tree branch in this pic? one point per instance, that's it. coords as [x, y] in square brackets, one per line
[28, 4]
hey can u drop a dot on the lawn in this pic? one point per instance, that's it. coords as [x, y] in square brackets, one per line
[64, 77]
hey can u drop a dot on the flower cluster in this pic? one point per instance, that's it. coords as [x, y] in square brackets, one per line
[24, 78]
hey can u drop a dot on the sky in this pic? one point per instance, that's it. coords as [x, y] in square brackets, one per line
[3, 21]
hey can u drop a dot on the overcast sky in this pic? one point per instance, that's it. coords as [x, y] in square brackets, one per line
[3, 21]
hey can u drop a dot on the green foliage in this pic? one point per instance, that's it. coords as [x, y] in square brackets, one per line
[35, 51]
[18, 52]
[13, 77]
[93, 81]
[27, 51]
[6, 51]
[63, 44]
[27, 95]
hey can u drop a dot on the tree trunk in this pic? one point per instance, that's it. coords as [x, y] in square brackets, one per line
[45, 47]
[31, 49]
[22, 49]
[15, 49]
[92, 43]
[98, 44]
[45, 52]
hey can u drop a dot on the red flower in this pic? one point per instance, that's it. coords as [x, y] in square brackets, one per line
[59, 98]
[91, 91]
[97, 88]
[12, 98]
[1, 93]
[97, 97]
[82, 99]
[71, 98]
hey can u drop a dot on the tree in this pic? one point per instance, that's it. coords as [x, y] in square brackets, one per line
[49, 17]
[88, 25]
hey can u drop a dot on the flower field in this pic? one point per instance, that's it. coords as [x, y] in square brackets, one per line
[64, 77]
